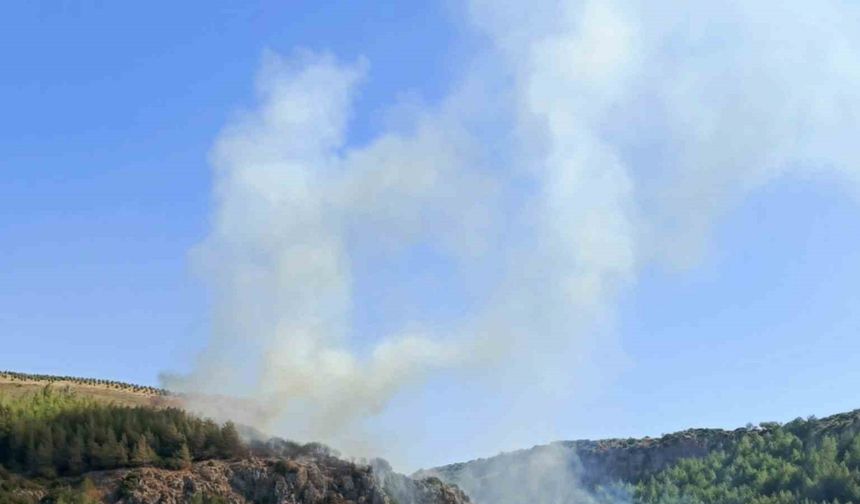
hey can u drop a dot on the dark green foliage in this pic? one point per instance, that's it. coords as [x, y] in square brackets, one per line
[231, 443]
[14, 489]
[814, 461]
[81, 494]
[55, 433]
[128, 484]
[281, 468]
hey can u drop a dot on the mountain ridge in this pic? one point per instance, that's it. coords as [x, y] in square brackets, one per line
[805, 460]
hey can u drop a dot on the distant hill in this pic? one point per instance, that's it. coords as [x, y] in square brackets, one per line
[16, 384]
[804, 461]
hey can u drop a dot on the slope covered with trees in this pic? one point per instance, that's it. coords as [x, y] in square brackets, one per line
[806, 461]
[60, 433]
[56, 434]
[64, 447]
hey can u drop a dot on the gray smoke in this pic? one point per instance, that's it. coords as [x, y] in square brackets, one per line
[547, 474]
[590, 138]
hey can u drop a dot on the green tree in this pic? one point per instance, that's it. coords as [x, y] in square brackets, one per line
[142, 454]
[231, 442]
[43, 459]
[852, 454]
[75, 455]
[181, 459]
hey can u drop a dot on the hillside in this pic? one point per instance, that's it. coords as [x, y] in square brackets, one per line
[71, 440]
[803, 461]
[13, 384]
[76, 440]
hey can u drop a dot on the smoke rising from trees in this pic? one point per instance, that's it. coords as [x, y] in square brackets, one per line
[589, 139]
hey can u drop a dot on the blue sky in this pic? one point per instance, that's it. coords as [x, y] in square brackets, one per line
[110, 112]
[109, 117]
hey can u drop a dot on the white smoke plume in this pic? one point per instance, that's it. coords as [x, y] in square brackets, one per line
[589, 138]
[547, 474]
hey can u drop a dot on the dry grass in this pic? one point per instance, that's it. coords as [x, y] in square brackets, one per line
[15, 385]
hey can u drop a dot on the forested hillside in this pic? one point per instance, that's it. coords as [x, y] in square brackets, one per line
[804, 461]
[53, 438]
[53, 433]
[59, 445]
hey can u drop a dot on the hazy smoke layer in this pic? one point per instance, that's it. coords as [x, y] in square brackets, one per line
[592, 138]
[547, 474]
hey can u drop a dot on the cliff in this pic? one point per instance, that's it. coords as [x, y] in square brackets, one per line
[322, 480]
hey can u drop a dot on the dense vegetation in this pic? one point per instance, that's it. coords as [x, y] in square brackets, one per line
[804, 461]
[58, 433]
[51, 438]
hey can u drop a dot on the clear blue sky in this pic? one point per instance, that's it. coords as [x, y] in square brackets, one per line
[109, 110]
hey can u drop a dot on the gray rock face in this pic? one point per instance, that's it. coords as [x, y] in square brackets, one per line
[325, 480]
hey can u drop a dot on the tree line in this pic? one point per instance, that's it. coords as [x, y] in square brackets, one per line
[59, 433]
[802, 462]
[52, 379]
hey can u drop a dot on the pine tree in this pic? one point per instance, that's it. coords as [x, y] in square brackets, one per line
[112, 453]
[852, 454]
[182, 458]
[75, 455]
[231, 443]
[61, 445]
[123, 450]
[42, 462]
[142, 454]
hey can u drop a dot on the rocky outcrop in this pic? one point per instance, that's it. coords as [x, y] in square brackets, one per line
[634, 459]
[424, 490]
[327, 480]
